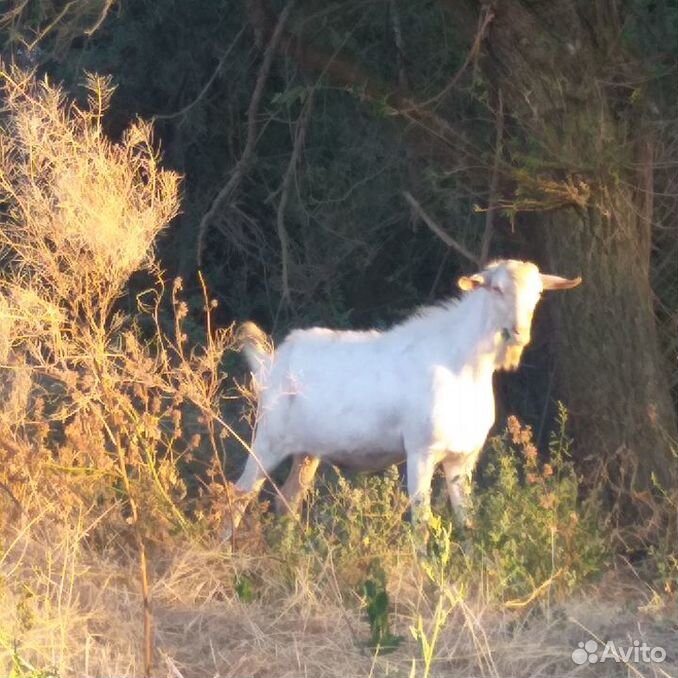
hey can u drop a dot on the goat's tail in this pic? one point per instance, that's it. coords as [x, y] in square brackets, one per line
[257, 348]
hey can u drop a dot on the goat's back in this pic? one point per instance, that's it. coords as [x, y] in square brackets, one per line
[329, 391]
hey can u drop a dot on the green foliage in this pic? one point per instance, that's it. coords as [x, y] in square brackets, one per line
[529, 525]
[447, 572]
[20, 667]
[377, 609]
[531, 533]
[245, 587]
[357, 522]
[291, 96]
[361, 513]
[665, 560]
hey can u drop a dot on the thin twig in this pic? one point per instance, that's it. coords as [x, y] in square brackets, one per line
[347, 73]
[443, 235]
[172, 667]
[542, 588]
[483, 23]
[494, 180]
[148, 640]
[299, 140]
[628, 665]
[247, 156]
[10, 494]
[208, 84]
[439, 273]
[9, 15]
[52, 24]
[403, 80]
[100, 19]
[148, 612]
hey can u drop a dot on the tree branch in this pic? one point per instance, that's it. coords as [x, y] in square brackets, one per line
[403, 80]
[484, 21]
[247, 156]
[443, 235]
[347, 73]
[299, 140]
[208, 84]
[494, 180]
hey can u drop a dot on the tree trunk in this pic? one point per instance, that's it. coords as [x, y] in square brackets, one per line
[608, 364]
[550, 60]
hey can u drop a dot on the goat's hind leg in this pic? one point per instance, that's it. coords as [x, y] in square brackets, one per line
[259, 463]
[297, 485]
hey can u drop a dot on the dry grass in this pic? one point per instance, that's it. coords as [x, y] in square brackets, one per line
[77, 612]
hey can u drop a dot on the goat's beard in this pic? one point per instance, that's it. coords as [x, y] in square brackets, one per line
[509, 357]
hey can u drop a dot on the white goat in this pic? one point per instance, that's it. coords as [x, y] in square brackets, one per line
[419, 392]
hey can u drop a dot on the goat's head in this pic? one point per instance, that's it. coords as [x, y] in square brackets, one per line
[516, 287]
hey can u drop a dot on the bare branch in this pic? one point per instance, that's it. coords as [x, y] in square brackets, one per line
[247, 156]
[403, 80]
[299, 140]
[346, 72]
[208, 84]
[100, 19]
[494, 180]
[52, 23]
[438, 230]
[484, 22]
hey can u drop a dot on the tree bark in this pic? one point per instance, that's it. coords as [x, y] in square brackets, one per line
[608, 365]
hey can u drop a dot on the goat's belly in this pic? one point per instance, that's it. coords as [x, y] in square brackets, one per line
[359, 449]
[365, 460]
[368, 442]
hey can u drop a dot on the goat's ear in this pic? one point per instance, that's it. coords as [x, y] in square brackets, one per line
[471, 282]
[555, 282]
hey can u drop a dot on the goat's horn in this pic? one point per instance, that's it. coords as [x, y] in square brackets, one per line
[555, 282]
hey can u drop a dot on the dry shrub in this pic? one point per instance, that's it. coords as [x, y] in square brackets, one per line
[641, 525]
[94, 412]
[75, 611]
[83, 211]
[92, 399]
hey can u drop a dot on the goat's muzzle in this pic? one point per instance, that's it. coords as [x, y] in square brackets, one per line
[514, 342]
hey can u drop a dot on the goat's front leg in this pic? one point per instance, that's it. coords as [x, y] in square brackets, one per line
[421, 464]
[458, 480]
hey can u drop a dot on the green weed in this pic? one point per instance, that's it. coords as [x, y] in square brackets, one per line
[530, 526]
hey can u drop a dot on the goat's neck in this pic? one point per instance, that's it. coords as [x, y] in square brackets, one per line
[480, 346]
